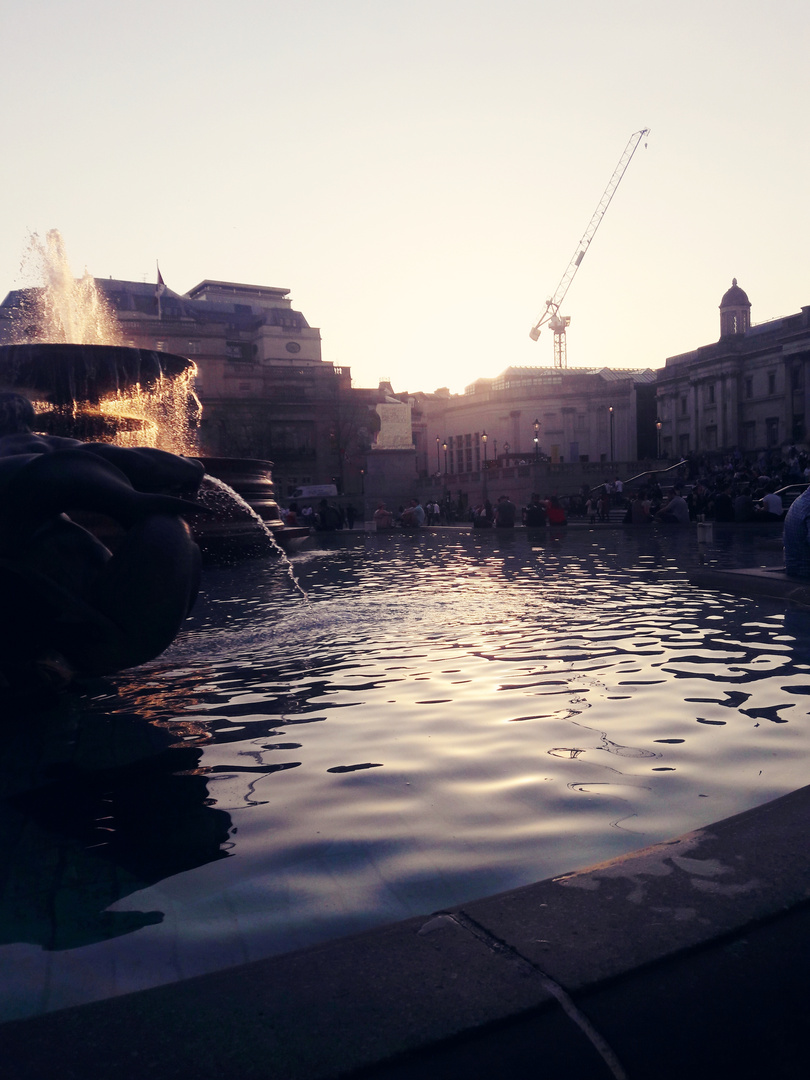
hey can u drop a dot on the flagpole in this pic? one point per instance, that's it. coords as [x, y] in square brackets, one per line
[159, 290]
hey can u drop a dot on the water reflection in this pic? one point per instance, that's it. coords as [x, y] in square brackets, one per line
[118, 809]
[445, 717]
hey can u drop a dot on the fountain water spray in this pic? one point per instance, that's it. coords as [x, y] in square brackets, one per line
[144, 398]
[63, 308]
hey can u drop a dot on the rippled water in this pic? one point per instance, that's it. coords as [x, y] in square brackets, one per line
[443, 717]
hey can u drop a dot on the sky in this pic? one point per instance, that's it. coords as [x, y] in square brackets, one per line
[418, 173]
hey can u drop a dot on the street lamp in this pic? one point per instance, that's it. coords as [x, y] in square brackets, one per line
[444, 447]
[536, 440]
[610, 410]
[484, 441]
[438, 441]
[495, 452]
[506, 453]
[658, 430]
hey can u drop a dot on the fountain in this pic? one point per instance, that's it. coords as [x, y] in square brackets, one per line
[100, 543]
[66, 355]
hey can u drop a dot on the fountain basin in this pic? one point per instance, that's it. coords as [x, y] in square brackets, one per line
[250, 527]
[64, 374]
[77, 391]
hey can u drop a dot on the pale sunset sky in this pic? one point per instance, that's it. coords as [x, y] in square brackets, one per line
[417, 173]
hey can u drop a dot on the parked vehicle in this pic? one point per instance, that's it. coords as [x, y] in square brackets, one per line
[315, 491]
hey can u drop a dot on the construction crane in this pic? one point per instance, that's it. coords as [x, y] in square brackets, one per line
[551, 315]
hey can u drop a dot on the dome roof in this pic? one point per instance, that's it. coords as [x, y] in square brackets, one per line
[735, 297]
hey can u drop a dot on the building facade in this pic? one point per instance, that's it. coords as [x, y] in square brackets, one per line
[265, 390]
[748, 391]
[560, 415]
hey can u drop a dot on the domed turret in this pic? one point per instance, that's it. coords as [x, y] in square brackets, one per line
[735, 311]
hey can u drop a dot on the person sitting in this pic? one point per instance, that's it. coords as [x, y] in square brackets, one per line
[772, 508]
[505, 513]
[676, 511]
[535, 516]
[413, 516]
[555, 511]
[483, 515]
[722, 505]
[329, 518]
[383, 518]
[743, 506]
[640, 510]
[796, 537]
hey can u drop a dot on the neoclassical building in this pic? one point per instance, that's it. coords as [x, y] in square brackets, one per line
[563, 415]
[747, 391]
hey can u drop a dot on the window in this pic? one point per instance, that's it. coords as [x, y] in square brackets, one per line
[711, 393]
[749, 387]
[797, 378]
[771, 382]
[711, 437]
[683, 406]
[748, 433]
[772, 431]
[238, 350]
[683, 445]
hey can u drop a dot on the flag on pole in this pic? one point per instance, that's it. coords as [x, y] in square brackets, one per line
[160, 289]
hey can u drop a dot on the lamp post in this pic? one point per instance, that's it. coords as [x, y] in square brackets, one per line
[506, 453]
[438, 441]
[536, 441]
[444, 447]
[658, 432]
[484, 474]
[610, 410]
[495, 452]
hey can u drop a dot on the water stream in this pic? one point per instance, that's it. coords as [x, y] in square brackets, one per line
[261, 524]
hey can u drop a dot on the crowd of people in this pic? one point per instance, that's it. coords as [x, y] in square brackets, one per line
[727, 489]
[325, 517]
[503, 514]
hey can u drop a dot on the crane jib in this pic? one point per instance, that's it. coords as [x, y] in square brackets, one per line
[553, 305]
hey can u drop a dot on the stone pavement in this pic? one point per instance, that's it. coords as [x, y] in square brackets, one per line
[687, 959]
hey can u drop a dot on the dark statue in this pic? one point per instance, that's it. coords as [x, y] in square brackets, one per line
[71, 604]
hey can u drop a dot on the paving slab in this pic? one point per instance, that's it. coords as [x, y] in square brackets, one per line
[597, 924]
[757, 581]
[575, 975]
[317, 1013]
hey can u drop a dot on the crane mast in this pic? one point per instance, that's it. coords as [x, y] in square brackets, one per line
[551, 315]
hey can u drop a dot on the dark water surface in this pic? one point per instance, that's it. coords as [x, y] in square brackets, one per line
[444, 716]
